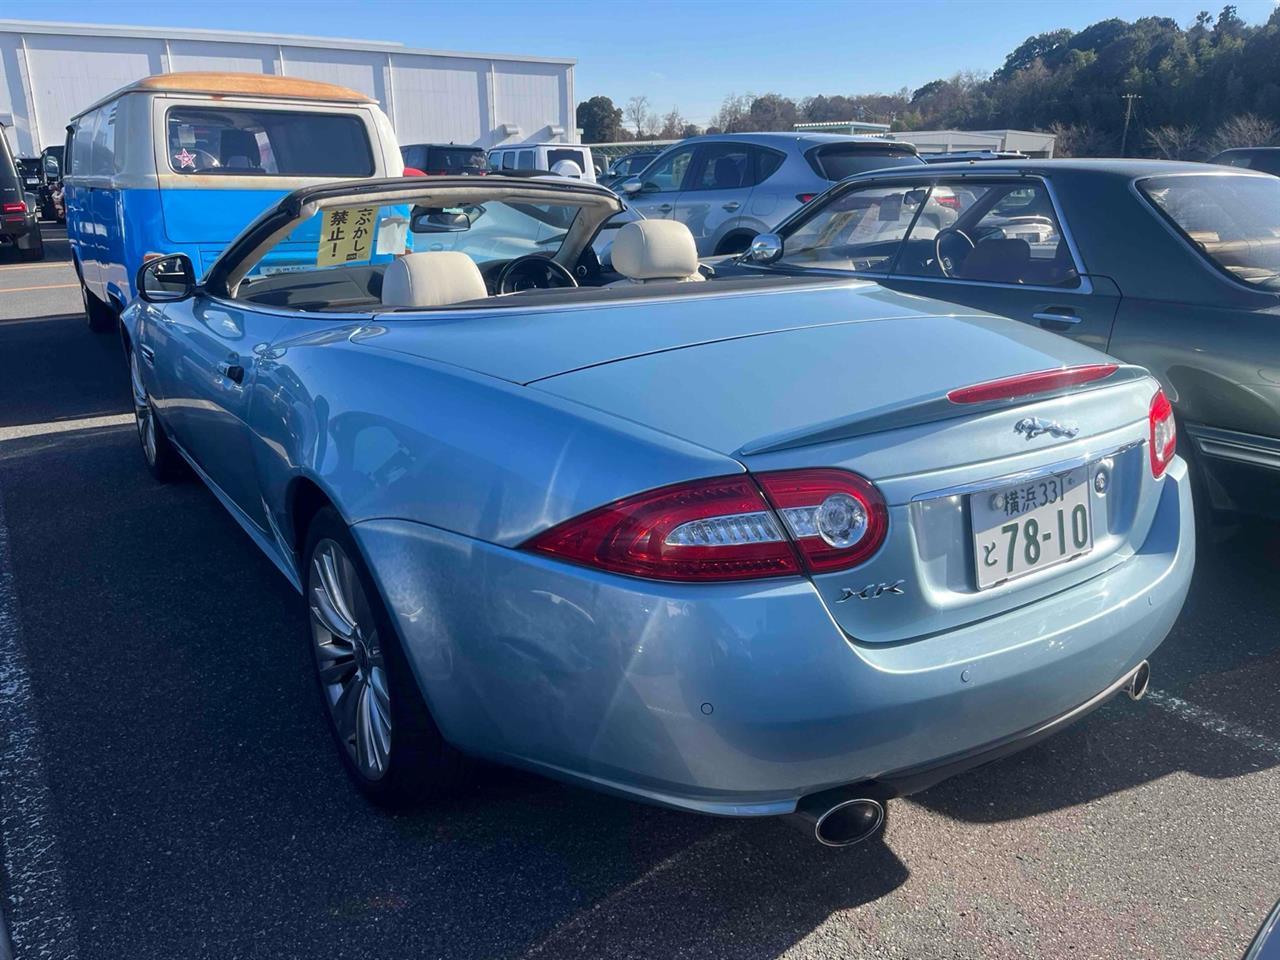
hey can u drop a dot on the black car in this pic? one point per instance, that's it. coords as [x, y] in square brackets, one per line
[1262, 159]
[19, 227]
[628, 166]
[445, 159]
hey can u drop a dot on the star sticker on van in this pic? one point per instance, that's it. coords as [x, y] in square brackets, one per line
[185, 159]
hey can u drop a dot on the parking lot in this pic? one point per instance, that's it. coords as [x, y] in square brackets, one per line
[168, 789]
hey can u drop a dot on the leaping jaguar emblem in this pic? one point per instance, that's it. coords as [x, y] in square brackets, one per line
[1034, 427]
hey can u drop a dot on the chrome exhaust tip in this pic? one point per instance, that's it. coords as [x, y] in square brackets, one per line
[1139, 681]
[839, 818]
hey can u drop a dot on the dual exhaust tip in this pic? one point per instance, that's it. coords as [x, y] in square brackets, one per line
[842, 817]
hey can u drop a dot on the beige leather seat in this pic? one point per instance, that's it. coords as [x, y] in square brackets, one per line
[653, 251]
[432, 278]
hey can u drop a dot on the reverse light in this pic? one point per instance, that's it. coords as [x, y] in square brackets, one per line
[724, 529]
[1163, 434]
[1030, 384]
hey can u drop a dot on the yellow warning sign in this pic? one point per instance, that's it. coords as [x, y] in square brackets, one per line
[346, 235]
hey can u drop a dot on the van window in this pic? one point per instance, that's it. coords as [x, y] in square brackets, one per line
[102, 153]
[82, 144]
[248, 142]
[508, 160]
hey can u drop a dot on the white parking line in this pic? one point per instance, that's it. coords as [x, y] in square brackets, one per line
[24, 430]
[1214, 723]
[40, 925]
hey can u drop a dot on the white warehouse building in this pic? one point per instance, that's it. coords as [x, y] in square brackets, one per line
[51, 71]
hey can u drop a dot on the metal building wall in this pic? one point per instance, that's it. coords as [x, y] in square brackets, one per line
[49, 72]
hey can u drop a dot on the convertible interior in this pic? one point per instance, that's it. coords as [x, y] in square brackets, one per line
[641, 258]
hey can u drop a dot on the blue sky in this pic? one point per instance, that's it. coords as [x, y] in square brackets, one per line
[684, 54]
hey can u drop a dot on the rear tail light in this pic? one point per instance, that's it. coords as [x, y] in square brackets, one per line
[1164, 434]
[724, 529]
[836, 518]
[1030, 384]
[805, 197]
[948, 200]
[13, 211]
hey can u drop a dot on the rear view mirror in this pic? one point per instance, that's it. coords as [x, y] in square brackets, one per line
[438, 220]
[166, 279]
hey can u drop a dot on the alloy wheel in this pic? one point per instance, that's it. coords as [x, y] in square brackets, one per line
[349, 658]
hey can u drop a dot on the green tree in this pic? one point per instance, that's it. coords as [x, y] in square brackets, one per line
[599, 120]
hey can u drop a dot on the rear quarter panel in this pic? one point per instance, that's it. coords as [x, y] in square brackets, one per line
[391, 436]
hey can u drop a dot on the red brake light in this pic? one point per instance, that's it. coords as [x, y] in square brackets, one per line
[805, 197]
[1029, 384]
[948, 200]
[723, 529]
[1163, 434]
[836, 518]
[717, 529]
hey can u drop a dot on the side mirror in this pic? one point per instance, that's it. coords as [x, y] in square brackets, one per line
[631, 185]
[765, 248]
[438, 220]
[166, 279]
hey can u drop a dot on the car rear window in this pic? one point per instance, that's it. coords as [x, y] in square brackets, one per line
[454, 160]
[1231, 219]
[835, 161]
[273, 143]
[557, 154]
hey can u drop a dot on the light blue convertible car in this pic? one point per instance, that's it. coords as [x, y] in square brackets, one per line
[746, 546]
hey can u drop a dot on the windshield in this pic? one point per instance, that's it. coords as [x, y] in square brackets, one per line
[1232, 220]
[362, 235]
[251, 142]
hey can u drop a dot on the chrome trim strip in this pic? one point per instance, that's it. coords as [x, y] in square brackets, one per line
[1024, 476]
[1236, 447]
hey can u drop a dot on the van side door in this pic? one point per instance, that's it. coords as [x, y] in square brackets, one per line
[78, 193]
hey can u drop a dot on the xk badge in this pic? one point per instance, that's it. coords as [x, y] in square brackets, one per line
[871, 591]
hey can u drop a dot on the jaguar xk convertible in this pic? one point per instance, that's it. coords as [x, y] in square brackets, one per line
[744, 545]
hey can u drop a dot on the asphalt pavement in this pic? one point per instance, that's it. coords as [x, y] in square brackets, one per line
[168, 789]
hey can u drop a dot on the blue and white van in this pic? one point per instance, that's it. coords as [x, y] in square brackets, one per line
[182, 162]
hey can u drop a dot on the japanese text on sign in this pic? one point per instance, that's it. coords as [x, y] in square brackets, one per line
[346, 235]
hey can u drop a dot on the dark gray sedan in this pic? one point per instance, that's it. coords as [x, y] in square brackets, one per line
[1173, 266]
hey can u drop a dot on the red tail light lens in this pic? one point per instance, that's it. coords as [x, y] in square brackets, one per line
[1029, 384]
[723, 529]
[1164, 434]
[836, 518]
[948, 200]
[18, 207]
[719, 529]
[805, 197]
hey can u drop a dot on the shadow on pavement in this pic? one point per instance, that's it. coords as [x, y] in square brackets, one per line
[54, 368]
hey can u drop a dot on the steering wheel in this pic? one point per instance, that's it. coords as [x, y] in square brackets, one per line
[945, 263]
[534, 272]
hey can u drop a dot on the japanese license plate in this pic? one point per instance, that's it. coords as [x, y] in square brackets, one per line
[1029, 526]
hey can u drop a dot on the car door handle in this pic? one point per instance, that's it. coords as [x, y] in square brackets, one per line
[664, 208]
[731, 206]
[232, 371]
[1049, 316]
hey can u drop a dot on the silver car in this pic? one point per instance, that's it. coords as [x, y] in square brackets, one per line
[727, 188]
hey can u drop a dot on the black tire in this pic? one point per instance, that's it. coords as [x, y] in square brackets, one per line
[419, 765]
[100, 317]
[164, 462]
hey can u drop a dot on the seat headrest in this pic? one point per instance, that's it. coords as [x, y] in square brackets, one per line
[655, 250]
[997, 261]
[432, 278]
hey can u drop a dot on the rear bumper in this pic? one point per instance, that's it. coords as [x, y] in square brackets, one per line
[739, 699]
